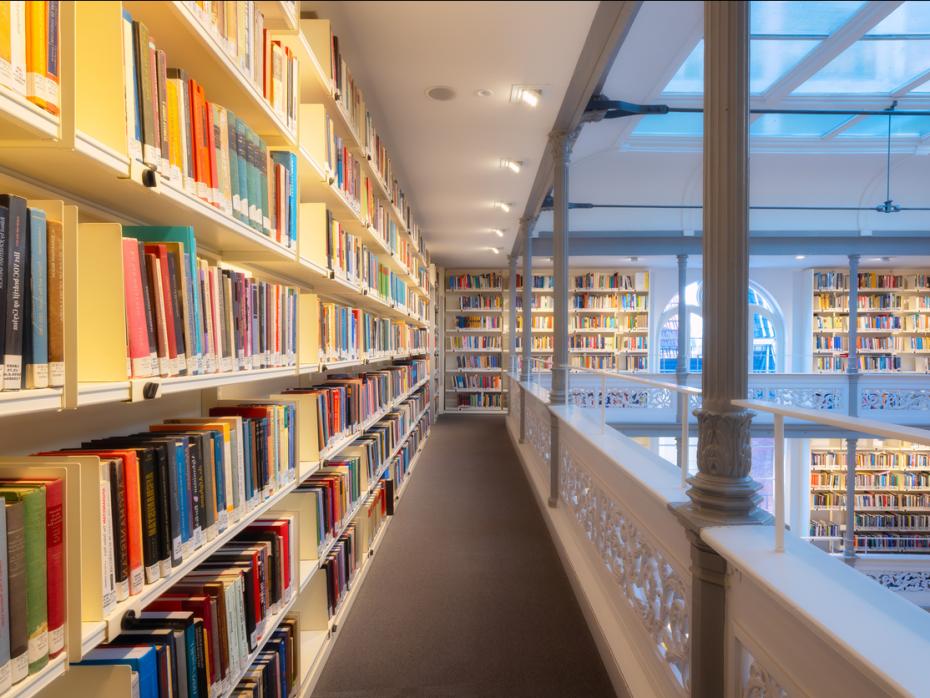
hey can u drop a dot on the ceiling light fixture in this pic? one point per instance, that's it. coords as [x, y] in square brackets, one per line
[484, 92]
[497, 231]
[441, 93]
[505, 207]
[513, 165]
[495, 250]
[524, 94]
[800, 256]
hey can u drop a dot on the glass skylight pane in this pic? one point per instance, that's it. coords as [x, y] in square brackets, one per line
[877, 127]
[871, 67]
[795, 125]
[674, 124]
[768, 61]
[910, 18]
[799, 17]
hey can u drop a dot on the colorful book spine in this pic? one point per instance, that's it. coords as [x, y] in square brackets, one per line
[35, 351]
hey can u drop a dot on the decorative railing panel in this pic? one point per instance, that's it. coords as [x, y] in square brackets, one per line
[538, 428]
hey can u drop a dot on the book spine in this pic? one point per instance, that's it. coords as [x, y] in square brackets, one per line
[133, 122]
[233, 150]
[177, 310]
[16, 566]
[18, 47]
[36, 361]
[52, 56]
[162, 495]
[148, 497]
[56, 302]
[175, 512]
[139, 349]
[35, 52]
[161, 85]
[199, 502]
[214, 191]
[134, 531]
[107, 555]
[6, 679]
[55, 551]
[120, 530]
[15, 273]
[34, 521]
[150, 314]
[266, 187]
[154, 108]
[144, 112]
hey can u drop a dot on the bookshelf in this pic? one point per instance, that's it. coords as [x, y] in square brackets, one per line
[474, 331]
[893, 323]
[334, 248]
[892, 496]
[543, 318]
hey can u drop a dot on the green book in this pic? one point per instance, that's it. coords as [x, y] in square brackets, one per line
[33, 500]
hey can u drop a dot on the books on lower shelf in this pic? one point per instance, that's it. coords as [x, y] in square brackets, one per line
[477, 381]
[892, 494]
[484, 400]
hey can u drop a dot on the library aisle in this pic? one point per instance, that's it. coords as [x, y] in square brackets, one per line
[466, 595]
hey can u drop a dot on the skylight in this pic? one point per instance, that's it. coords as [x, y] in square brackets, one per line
[877, 127]
[795, 125]
[799, 18]
[871, 67]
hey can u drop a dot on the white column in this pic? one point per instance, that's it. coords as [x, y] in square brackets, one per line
[681, 364]
[527, 305]
[852, 336]
[512, 312]
[561, 147]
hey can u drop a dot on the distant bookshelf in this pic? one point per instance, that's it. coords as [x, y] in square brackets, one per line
[892, 496]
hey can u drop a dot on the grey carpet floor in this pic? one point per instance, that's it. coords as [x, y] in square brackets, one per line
[466, 595]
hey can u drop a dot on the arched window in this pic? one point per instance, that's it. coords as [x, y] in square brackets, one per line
[765, 321]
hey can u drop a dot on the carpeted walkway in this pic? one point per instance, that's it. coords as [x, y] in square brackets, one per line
[466, 595]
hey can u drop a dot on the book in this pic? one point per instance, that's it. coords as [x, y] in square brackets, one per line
[17, 583]
[34, 535]
[143, 660]
[151, 149]
[52, 56]
[6, 679]
[13, 46]
[14, 286]
[56, 303]
[35, 341]
[36, 47]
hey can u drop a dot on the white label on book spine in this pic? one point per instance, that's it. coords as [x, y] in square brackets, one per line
[56, 640]
[12, 372]
[122, 589]
[56, 374]
[152, 573]
[164, 366]
[142, 367]
[38, 647]
[19, 667]
[222, 520]
[198, 537]
[165, 567]
[177, 548]
[136, 581]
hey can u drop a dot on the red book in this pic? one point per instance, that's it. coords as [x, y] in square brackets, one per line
[137, 330]
[161, 253]
[211, 148]
[54, 557]
[282, 529]
[157, 299]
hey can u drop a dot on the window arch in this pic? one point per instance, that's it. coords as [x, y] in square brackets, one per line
[765, 321]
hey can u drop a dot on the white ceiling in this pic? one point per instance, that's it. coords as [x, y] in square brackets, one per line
[448, 153]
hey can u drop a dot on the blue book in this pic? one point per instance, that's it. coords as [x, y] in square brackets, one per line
[183, 234]
[142, 660]
[35, 340]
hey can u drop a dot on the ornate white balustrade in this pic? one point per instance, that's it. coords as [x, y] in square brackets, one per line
[798, 622]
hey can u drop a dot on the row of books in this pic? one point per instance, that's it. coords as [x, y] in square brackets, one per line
[540, 282]
[487, 400]
[543, 322]
[890, 480]
[30, 52]
[638, 281]
[200, 146]
[474, 342]
[592, 341]
[594, 361]
[891, 543]
[543, 343]
[484, 281]
[594, 322]
[400, 466]
[477, 381]
[349, 334]
[638, 343]
[168, 491]
[31, 297]
[275, 671]
[478, 361]
[539, 303]
[239, 28]
[481, 303]
[194, 639]
[477, 322]
[186, 317]
[889, 501]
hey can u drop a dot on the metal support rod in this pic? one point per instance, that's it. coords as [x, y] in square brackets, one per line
[779, 471]
[682, 364]
[512, 316]
[527, 338]
[852, 333]
[603, 403]
[683, 439]
[849, 535]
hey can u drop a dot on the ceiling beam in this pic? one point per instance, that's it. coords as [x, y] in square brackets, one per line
[610, 26]
[648, 244]
[871, 14]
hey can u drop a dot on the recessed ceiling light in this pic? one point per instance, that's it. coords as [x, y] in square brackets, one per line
[800, 256]
[495, 250]
[484, 92]
[524, 94]
[497, 231]
[505, 207]
[513, 165]
[441, 93]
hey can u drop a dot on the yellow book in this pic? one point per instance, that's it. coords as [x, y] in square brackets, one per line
[6, 48]
[14, 45]
[175, 153]
[36, 45]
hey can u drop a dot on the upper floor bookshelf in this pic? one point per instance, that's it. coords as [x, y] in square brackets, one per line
[892, 326]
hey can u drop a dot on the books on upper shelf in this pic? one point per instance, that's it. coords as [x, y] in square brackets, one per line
[541, 282]
[201, 147]
[30, 51]
[186, 317]
[31, 297]
[239, 28]
[485, 281]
